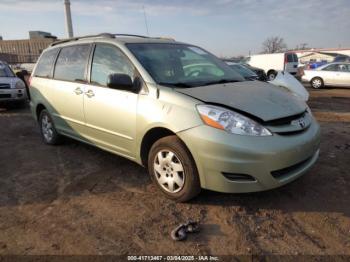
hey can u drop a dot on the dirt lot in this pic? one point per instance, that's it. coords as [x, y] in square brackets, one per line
[76, 199]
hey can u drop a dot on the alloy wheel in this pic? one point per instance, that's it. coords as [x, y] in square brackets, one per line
[169, 171]
[47, 128]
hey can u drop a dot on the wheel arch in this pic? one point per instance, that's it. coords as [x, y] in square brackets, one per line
[271, 71]
[150, 137]
[40, 107]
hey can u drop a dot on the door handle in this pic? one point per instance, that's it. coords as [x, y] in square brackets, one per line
[78, 91]
[90, 93]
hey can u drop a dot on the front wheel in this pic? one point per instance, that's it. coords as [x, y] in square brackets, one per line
[317, 83]
[48, 130]
[173, 169]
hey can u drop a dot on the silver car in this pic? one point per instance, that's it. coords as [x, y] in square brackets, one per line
[333, 74]
[12, 89]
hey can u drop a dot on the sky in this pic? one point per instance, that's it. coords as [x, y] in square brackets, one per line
[224, 27]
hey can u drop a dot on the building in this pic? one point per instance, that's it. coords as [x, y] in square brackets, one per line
[27, 50]
[321, 54]
[40, 35]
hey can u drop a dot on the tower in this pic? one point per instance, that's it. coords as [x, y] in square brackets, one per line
[69, 26]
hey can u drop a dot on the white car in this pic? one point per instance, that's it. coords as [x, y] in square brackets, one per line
[12, 89]
[272, 63]
[333, 74]
[286, 80]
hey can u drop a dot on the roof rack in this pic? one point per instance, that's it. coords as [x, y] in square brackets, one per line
[141, 36]
[81, 37]
[106, 35]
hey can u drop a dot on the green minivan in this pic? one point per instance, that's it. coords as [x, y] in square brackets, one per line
[175, 109]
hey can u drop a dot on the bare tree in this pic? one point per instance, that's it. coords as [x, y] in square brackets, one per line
[274, 44]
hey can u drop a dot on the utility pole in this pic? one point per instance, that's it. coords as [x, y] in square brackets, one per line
[69, 26]
[146, 22]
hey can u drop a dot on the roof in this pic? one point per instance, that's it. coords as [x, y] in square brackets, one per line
[124, 38]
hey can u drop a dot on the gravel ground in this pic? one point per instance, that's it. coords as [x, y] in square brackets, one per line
[76, 199]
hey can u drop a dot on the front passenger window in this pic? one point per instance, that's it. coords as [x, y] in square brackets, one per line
[109, 60]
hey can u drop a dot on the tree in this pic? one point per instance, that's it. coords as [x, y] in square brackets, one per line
[274, 44]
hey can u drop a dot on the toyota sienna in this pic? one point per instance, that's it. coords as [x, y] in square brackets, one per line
[175, 109]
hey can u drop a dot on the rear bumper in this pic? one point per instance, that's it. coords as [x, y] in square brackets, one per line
[225, 160]
[13, 94]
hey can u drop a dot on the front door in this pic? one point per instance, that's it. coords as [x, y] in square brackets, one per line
[110, 114]
[329, 74]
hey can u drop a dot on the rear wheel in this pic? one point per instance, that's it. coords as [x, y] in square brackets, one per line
[271, 75]
[47, 129]
[317, 83]
[173, 169]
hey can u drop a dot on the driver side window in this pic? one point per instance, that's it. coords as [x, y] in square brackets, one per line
[109, 60]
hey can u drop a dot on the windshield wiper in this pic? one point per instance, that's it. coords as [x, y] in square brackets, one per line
[221, 81]
[179, 84]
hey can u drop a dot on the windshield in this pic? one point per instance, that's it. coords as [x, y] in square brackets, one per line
[182, 65]
[5, 71]
[246, 72]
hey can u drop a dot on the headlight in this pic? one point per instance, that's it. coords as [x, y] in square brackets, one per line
[230, 121]
[19, 84]
[308, 110]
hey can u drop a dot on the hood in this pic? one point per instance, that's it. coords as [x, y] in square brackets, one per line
[9, 80]
[260, 99]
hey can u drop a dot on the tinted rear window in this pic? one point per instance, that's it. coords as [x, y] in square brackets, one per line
[292, 58]
[43, 69]
[71, 63]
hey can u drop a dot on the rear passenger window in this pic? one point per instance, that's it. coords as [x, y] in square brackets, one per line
[43, 69]
[109, 60]
[333, 67]
[71, 63]
[295, 58]
[290, 58]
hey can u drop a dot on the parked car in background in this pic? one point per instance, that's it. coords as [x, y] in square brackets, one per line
[333, 74]
[12, 88]
[342, 58]
[242, 61]
[242, 70]
[260, 72]
[158, 102]
[290, 83]
[272, 63]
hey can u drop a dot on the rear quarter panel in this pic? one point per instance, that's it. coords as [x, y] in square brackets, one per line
[41, 93]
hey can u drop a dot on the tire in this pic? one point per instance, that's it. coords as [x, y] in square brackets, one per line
[48, 130]
[317, 83]
[173, 169]
[271, 75]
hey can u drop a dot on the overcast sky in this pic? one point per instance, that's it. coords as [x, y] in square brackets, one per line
[224, 27]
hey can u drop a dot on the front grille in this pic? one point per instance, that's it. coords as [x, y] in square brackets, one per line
[292, 133]
[284, 120]
[5, 95]
[239, 177]
[278, 174]
[5, 86]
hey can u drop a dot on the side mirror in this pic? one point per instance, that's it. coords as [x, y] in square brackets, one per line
[120, 81]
